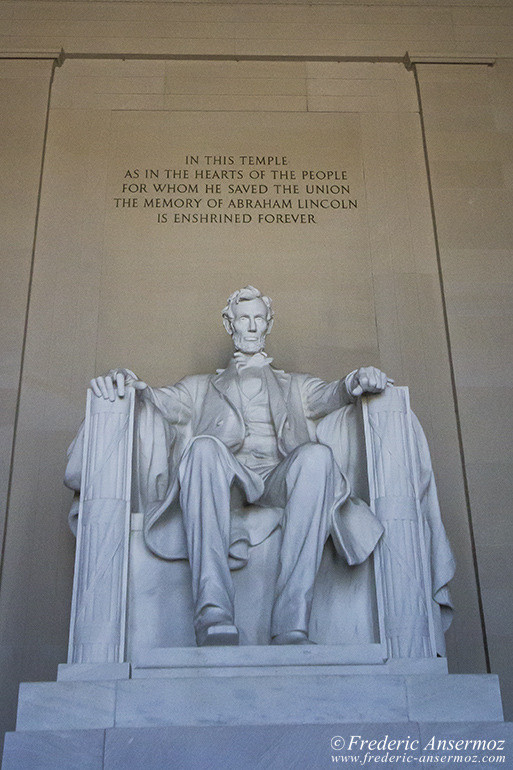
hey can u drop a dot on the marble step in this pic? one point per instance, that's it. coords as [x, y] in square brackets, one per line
[258, 700]
[254, 661]
[263, 747]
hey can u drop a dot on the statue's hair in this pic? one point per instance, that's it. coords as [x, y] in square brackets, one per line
[247, 293]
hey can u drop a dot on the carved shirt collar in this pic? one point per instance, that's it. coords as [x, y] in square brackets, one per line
[246, 361]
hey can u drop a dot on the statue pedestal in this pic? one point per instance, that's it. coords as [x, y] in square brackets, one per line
[254, 706]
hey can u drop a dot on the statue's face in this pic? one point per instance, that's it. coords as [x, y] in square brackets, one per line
[250, 325]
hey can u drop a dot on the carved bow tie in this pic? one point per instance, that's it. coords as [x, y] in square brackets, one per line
[257, 361]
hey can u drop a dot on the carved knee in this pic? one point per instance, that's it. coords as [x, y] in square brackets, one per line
[317, 457]
[204, 448]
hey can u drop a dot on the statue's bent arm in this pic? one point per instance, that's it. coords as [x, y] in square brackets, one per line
[175, 402]
[321, 398]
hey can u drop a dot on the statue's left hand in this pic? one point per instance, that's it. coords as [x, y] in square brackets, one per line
[368, 379]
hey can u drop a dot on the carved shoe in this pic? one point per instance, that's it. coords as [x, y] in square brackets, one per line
[291, 637]
[217, 636]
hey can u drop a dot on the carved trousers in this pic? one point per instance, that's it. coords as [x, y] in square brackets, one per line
[302, 484]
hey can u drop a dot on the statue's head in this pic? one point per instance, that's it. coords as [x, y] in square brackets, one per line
[248, 318]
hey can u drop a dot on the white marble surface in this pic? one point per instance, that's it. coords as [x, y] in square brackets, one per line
[260, 700]
[66, 705]
[259, 747]
[269, 747]
[285, 746]
[250, 425]
[242, 699]
[148, 613]
[100, 586]
[457, 697]
[54, 750]
[473, 731]
[431, 666]
[260, 655]
[87, 672]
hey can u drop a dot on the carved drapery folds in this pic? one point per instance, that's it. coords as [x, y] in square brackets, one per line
[98, 613]
[402, 566]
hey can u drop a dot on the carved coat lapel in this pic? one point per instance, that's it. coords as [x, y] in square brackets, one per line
[226, 384]
[289, 426]
[278, 387]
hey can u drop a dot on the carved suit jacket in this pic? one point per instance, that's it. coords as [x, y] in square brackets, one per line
[209, 405]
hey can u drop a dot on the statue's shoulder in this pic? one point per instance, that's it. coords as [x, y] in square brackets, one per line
[195, 382]
[297, 377]
[289, 377]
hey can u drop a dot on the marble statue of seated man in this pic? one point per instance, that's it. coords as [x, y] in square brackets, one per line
[252, 426]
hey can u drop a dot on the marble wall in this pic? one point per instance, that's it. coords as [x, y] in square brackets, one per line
[89, 293]
[24, 89]
[254, 28]
[469, 130]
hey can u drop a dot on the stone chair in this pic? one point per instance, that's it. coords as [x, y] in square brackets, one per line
[130, 605]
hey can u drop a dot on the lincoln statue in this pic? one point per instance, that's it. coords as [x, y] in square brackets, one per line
[253, 427]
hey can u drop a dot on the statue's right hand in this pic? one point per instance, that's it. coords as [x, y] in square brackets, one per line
[115, 381]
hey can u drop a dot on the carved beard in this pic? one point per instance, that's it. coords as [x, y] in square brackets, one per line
[249, 346]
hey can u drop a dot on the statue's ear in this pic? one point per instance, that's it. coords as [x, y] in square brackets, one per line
[270, 326]
[228, 325]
